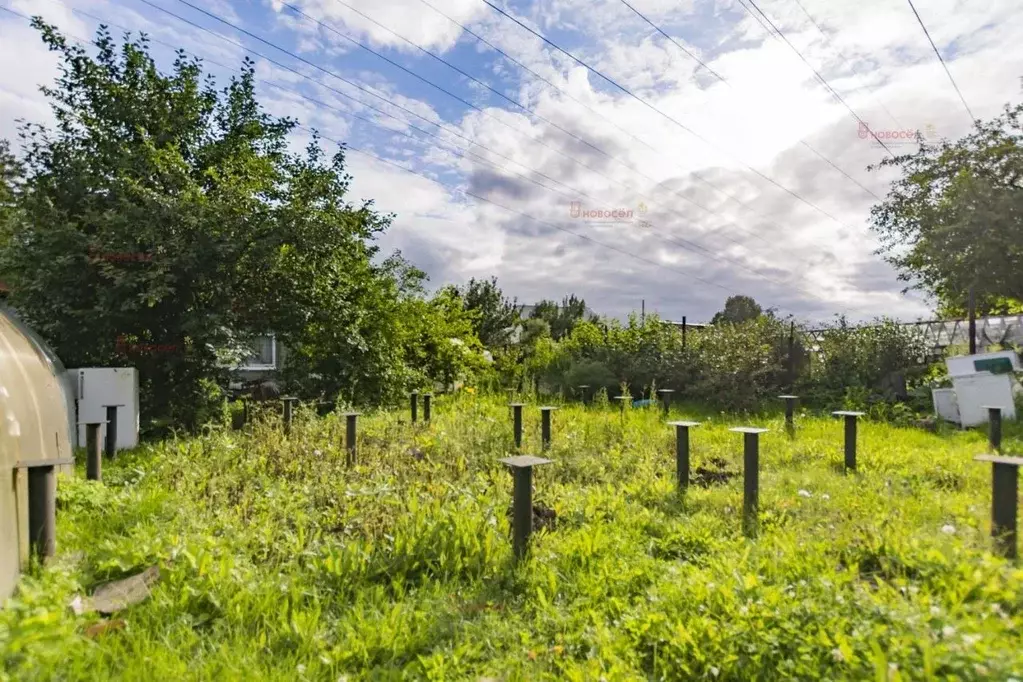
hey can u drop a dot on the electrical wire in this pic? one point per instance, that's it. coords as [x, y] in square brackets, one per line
[664, 115]
[593, 111]
[480, 198]
[940, 59]
[678, 241]
[725, 81]
[816, 73]
[845, 59]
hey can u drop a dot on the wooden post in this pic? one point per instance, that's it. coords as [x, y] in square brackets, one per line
[351, 438]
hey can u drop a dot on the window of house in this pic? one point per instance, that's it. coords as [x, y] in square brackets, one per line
[264, 354]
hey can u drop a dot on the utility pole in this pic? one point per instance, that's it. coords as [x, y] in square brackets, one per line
[642, 313]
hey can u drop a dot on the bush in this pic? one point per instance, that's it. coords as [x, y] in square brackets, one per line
[735, 365]
[882, 359]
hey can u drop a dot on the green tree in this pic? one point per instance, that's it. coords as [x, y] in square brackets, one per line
[561, 318]
[161, 210]
[494, 315]
[955, 218]
[738, 309]
[11, 175]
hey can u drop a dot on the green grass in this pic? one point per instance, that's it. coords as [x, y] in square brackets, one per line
[279, 563]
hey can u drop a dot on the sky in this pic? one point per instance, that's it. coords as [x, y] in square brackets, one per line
[683, 153]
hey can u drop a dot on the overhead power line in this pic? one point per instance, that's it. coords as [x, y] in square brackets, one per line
[375, 123]
[664, 115]
[415, 45]
[593, 111]
[725, 81]
[681, 242]
[539, 221]
[940, 59]
[677, 44]
[327, 71]
[845, 59]
[816, 73]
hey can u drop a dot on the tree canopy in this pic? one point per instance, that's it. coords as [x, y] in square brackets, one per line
[494, 316]
[738, 309]
[955, 218]
[161, 210]
[561, 318]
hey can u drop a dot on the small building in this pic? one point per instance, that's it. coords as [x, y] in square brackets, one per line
[36, 414]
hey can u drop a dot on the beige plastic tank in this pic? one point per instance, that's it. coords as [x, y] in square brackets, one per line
[36, 412]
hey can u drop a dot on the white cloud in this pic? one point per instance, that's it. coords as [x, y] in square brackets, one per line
[763, 241]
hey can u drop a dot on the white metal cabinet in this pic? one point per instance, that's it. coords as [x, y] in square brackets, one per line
[97, 387]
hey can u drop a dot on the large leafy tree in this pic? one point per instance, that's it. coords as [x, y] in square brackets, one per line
[955, 218]
[10, 180]
[738, 309]
[494, 316]
[561, 318]
[228, 233]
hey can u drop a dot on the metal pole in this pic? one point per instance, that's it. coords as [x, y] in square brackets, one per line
[351, 438]
[666, 400]
[1004, 507]
[850, 436]
[750, 477]
[683, 332]
[790, 413]
[682, 457]
[750, 482]
[523, 510]
[522, 500]
[972, 305]
[792, 356]
[585, 388]
[545, 427]
[427, 398]
[517, 423]
[42, 511]
[414, 405]
[994, 433]
[682, 453]
[111, 436]
[850, 442]
[93, 453]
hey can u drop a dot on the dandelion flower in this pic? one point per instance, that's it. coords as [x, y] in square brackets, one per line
[804, 493]
[825, 496]
[948, 529]
[948, 631]
[837, 655]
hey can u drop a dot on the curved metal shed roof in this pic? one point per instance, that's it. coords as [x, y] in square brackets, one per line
[36, 410]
